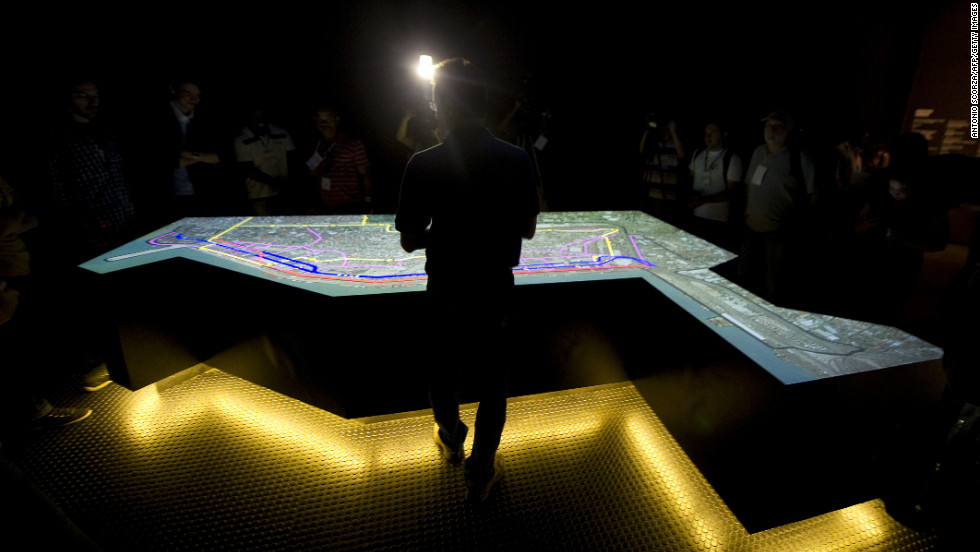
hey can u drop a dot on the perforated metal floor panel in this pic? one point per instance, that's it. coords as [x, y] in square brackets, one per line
[218, 463]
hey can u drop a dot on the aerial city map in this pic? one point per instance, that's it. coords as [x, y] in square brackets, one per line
[361, 254]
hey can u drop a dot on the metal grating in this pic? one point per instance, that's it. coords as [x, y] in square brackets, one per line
[218, 463]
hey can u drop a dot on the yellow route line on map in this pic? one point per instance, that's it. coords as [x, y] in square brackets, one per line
[611, 230]
[231, 228]
[315, 260]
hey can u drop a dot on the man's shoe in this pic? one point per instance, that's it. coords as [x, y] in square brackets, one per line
[59, 417]
[96, 378]
[478, 485]
[453, 453]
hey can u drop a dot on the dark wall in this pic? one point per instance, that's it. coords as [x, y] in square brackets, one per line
[601, 70]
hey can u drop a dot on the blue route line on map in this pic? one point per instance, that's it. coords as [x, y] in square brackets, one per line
[303, 267]
[313, 269]
[596, 263]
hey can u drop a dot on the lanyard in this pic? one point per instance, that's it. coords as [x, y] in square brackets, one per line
[721, 155]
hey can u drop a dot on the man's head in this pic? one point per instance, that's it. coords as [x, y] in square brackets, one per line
[186, 96]
[777, 129]
[84, 101]
[898, 190]
[460, 93]
[327, 121]
[256, 113]
[714, 136]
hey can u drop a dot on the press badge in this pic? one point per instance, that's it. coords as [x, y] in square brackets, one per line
[540, 143]
[760, 172]
[314, 161]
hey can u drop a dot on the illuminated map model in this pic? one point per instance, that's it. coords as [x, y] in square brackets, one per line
[361, 254]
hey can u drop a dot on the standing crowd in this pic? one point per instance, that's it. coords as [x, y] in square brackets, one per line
[87, 188]
[837, 228]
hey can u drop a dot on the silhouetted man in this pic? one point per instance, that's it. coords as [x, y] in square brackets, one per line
[780, 186]
[340, 167]
[468, 202]
[86, 194]
[86, 207]
[263, 150]
[185, 151]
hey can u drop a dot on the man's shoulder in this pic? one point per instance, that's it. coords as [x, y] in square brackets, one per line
[71, 133]
[54, 133]
[344, 139]
[506, 146]
[757, 155]
[438, 153]
[245, 136]
[506, 149]
[498, 149]
[432, 151]
[277, 132]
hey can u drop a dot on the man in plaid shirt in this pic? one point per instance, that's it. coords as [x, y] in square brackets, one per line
[88, 196]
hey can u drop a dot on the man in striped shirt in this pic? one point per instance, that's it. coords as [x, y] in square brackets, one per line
[340, 165]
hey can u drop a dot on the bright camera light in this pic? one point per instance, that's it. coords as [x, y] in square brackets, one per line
[425, 67]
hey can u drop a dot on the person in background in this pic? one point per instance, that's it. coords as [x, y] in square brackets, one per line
[22, 400]
[417, 130]
[340, 168]
[86, 193]
[262, 151]
[780, 192]
[716, 171]
[188, 156]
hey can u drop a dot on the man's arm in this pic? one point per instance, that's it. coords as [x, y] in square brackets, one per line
[401, 135]
[530, 227]
[809, 177]
[413, 242]
[9, 298]
[413, 216]
[366, 184]
[678, 145]
[188, 158]
[16, 224]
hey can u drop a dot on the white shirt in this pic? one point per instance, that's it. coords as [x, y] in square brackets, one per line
[707, 167]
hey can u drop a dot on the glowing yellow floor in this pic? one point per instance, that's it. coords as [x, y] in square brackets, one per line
[217, 463]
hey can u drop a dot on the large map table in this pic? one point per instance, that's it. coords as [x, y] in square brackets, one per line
[360, 255]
